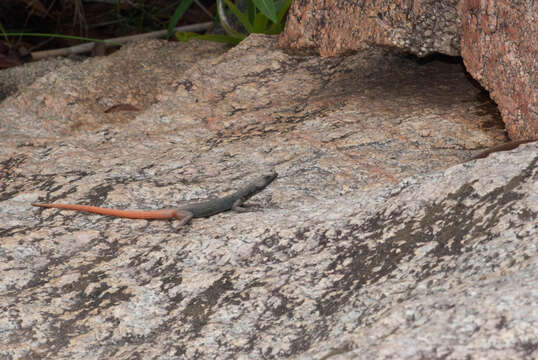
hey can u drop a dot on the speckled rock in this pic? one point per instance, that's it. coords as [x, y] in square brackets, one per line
[338, 27]
[78, 97]
[17, 78]
[499, 48]
[497, 40]
[375, 241]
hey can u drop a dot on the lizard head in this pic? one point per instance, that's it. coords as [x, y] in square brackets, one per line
[266, 179]
[258, 184]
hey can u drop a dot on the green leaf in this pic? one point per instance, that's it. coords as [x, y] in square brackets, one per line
[186, 36]
[260, 23]
[267, 8]
[251, 9]
[278, 26]
[178, 14]
[243, 19]
[283, 10]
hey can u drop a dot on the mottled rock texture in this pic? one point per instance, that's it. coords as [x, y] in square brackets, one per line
[77, 97]
[497, 40]
[334, 27]
[500, 49]
[375, 241]
[15, 78]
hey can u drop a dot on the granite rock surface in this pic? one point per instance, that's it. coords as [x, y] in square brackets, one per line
[497, 40]
[377, 240]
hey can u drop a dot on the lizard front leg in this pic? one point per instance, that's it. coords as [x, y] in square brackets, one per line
[237, 206]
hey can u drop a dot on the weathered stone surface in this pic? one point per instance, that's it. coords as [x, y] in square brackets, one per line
[78, 96]
[497, 38]
[337, 27]
[377, 103]
[17, 78]
[500, 50]
[368, 244]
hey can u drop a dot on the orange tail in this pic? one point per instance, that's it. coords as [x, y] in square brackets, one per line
[162, 214]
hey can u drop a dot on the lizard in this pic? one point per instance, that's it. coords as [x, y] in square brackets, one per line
[184, 213]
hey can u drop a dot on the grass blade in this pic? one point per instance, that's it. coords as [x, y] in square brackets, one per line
[178, 14]
[267, 8]
[243, 19]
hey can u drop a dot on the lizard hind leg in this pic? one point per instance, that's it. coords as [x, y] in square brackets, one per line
[184, 216]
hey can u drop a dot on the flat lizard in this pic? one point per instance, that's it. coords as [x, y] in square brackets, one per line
[184, 213]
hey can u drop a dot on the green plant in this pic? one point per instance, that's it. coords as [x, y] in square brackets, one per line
[178, 14]
[261, 17]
